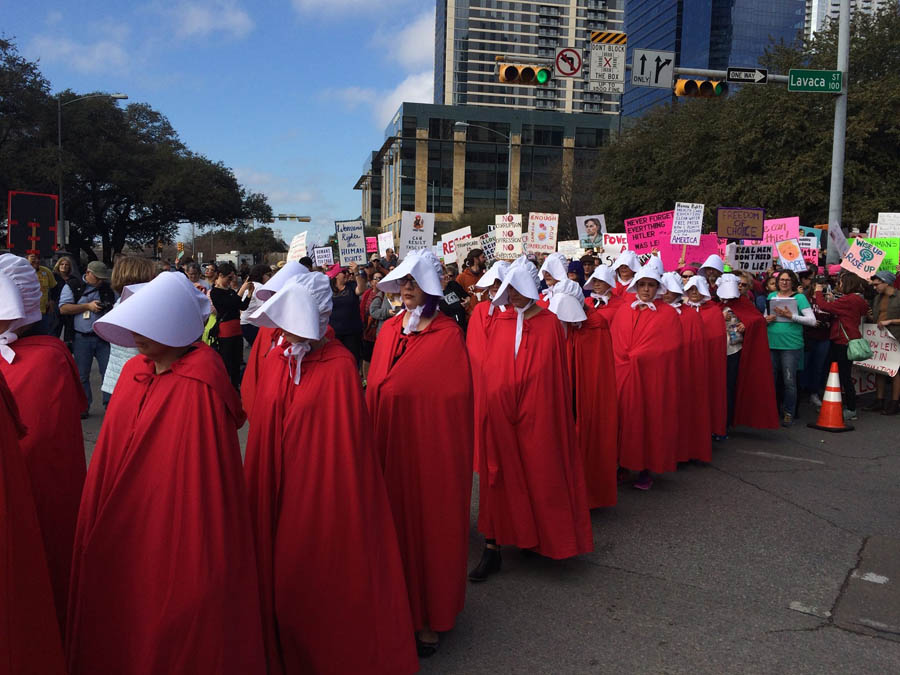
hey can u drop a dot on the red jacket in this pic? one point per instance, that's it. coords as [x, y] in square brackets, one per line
[849, 311]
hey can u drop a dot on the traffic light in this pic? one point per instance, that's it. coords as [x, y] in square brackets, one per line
[701, 88]
[523, 73]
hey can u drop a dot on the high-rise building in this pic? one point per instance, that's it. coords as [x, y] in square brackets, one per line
[709, 34]
[819, 12]
[470, 34]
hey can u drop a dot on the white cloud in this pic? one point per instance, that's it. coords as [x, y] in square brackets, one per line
[415, 88]
[413, 45]
[104, 55]
[205, 18]
[54, 17]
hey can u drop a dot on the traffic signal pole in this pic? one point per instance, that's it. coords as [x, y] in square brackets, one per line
[836, 196]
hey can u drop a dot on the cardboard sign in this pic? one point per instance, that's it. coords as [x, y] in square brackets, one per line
[590, 230]
[323, 256]
[740, 223]
[891, 248]
[888, 219]
[298, 247]
[542, 232]
[507, 220]
[811, 232]
[509, 242]
[385, 242]
[687, 224]
[488, 244]
[571, 248]
[448, 243]
[778, 229]
[613, 246]
[809, 249]
[864, 381]
[790, 255]
[755, 259]
[351, 238]
[371, 244]
[416, 231]
[885, 350]
[463, 246]
[837, 240]
[863, 259]
[646, 233]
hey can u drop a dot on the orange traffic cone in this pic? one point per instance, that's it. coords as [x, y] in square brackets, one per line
[831, 417]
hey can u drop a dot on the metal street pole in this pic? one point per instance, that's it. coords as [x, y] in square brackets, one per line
[836, 196]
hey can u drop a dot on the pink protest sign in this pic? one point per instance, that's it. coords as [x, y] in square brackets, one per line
[371, 244]
[697, 255]
[646, 233]
[777, 229]
[863, 259]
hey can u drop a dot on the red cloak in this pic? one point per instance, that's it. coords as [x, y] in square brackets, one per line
[647, 348]
[754, 404]
[592, 370]
[476, 343]
[717, 359]
[262, 345]
[532, 493]
[163, 574]
[29, 632]
[329, 566]
[419, 396]
[695, 440]
[45, 382]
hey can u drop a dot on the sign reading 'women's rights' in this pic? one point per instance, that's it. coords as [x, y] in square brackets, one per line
[351, 238]
[863, 259]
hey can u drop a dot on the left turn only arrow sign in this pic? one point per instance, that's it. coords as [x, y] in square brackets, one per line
[568, 62]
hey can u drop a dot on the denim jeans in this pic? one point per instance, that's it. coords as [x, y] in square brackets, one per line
[815, 368]
[85, 349]
[784, 367]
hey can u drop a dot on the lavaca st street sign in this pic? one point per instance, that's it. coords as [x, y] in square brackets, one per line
[820, 81]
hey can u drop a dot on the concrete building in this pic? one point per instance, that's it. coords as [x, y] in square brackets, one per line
[427, 163]
[819, 12]
[470, 34]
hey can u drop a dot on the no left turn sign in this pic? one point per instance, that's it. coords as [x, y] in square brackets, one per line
[568, 62]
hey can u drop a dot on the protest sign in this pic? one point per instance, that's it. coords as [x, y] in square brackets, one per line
[755, 259]
[778, 229]
[687, 224]
[888, 219]
[298, 247]
[371, 244]
[416, 231]
[885, 350]
[488, 244]
[590, 230]
[863, 259]
[891, 248]
[672, 256]
[448, 245]
[809, 250]
[509, 242]
[613, 246]
[507, 220]
[385, 241]
[811, 232]
[790, 255]
[571, 248]
[735, 222]
[542, 231]
[864, 381]
[882, 230]
[646, 233]
[351, 240]
[323, 256]
[837, 240]
[463, 246]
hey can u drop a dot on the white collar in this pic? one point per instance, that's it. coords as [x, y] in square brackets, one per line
[415, 315]
[638, 303]
[520, 322]
[6, 352]
[295, 352]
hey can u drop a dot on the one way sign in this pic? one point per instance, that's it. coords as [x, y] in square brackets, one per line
[747, 75]
[652, 69]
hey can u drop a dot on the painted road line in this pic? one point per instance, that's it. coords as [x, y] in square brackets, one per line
[772, 455]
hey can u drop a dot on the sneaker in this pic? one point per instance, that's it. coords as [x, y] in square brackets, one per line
[644, 482]
[720, 437]
[788, 420]
[815, 400]
[850, 415]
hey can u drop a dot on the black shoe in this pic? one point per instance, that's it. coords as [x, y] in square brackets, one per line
[426, 649]
[490, 564]
[890, 408]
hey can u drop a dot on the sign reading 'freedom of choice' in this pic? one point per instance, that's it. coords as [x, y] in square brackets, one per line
[740, 223]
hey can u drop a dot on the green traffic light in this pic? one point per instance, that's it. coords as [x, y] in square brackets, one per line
[543, 75]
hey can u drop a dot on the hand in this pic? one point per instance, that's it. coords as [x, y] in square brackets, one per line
[354, 268]
[247, 285]
[783, 311]
[819, 288]
[770, 318]
[94, 306]
[885, 323]
[740, 328]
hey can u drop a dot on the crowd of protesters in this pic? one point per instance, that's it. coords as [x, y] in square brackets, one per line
[339, 543]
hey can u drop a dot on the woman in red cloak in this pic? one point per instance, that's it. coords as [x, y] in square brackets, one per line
[646, 336]
[30, 641]
[592, 373]
[423, 422]
[163, 574]
[698, 298]
[531, 478]
[553, 271]
[42, 376]
[625, 267]
[329, 565]
[601, 284]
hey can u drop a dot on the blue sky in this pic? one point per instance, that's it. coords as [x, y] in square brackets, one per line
[291, 94]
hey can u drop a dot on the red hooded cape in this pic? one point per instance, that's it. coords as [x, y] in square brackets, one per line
[647, 347]
[592, 370]
[693, 391]
[419, 396]
[476, 344]
[29, 633]
[532, 493]
[754, 404]
[45, 382]
[717, 359]
[262, 345]
[329, 566]
[163, 574]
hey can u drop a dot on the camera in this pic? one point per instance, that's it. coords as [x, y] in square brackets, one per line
[105, 306]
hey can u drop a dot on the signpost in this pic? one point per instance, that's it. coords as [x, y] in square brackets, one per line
[651, 68]
[816, 81]
[608, 62]
[568, 62]
[747, 75]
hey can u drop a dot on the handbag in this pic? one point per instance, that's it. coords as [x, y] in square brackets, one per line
[858, 349]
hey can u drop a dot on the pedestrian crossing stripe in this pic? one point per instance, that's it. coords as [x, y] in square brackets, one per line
[609, 37]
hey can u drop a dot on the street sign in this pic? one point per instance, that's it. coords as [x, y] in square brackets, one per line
[747, 75]
[820, 81]
[607, 63]
[652, 68]
[568, 62]
[606, 87]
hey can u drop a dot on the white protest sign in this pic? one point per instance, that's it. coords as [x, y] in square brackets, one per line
[883, 230]
[464, 246]
[687, 224]
[298, 247]
[323, 256]
[416, 231]
[571, 248]
[790, 255]
[837, 240]
[488, 244]
[351, 238]
[613, 246]
[542, 231]
[509, 242]
[448, 246]
[753, 259]
[507, 220]
[888, 219]
[385, 242]
[885, 350]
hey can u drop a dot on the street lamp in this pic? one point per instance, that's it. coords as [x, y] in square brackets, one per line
[61, 233]
[466, 125]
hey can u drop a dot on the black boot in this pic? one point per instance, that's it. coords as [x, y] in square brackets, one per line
[875, 406]
[890, 408]
[490, 563]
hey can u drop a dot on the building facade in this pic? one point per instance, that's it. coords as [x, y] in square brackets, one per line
[470, 34]
[429, 163]
[819, 12]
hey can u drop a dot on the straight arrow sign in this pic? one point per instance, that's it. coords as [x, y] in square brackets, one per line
[747, 75]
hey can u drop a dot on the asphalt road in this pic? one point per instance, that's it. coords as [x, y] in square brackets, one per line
[782, 556]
